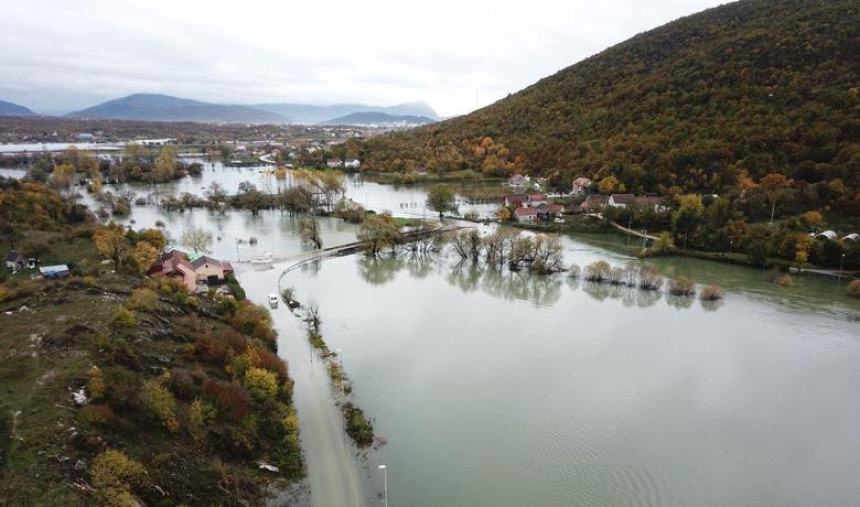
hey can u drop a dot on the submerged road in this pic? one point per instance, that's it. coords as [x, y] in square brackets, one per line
[333, 472]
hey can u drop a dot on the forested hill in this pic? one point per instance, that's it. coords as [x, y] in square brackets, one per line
[757, 85]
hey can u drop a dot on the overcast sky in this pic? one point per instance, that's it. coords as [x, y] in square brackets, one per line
[62, 55]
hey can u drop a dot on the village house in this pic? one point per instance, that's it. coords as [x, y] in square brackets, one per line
[15, 261]
[334, 162]
[621, 200]
[209, 270]
[580, 185]
[518, 180]
[550, 211]
[175, 264]
[525, 214]
[536, 200]
[656, 203]
[352, 163]
[594, 203]
[516, 200]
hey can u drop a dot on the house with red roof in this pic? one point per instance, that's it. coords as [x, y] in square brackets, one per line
[525, 214]
[175, 264]
[516, 200]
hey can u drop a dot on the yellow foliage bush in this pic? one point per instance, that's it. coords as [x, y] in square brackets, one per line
[95, 383]
[161, 403]
[114, 476]
[142, 299]
[262, 384]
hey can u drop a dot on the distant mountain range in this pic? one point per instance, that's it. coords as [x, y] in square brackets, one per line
[11, 109]
[153, 107]
[378, 118]
[310, 114]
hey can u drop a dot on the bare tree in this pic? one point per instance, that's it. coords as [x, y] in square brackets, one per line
[198, 239]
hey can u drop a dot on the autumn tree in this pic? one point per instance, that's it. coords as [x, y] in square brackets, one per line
[378, 232]
[441, 199]
[111, 242]
[165, 164]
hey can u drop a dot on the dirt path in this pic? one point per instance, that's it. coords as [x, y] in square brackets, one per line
[333, 473]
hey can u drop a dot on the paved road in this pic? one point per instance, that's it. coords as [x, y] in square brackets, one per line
[333, 473]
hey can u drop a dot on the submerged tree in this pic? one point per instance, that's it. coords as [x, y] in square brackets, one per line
[198, 239]
[441, 199]
[378, 232]
[310, 232]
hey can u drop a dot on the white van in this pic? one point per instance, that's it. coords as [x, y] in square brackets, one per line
[273, 300]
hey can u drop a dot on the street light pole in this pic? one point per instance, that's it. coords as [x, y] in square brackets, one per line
[384, 469]
[841, 261]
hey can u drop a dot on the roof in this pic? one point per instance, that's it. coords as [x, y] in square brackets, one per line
[827, 234]
[174, 253]
[582, 181]
[853, 236]
[59, 268]
[651, 200]
[553, 208]
[525, 211]
[623, 198]
[14, 256]
[537, 197]
[205, 259]
[516, 198]
[594, 200]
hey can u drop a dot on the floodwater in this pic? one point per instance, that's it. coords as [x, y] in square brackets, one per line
[500, 388]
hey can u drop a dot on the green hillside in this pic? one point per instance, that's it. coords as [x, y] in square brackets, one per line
[762, 86]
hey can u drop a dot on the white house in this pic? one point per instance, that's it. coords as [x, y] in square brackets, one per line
[15, 261]
[525, 214]
[334, 162]
[621, 200]
[352, 163]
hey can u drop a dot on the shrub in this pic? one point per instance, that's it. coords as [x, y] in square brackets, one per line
[236, 289]
[270, 361]
[254, 321]
[96, 415]
[358, 427]
[114, 476]
[123, 319]
[202, 412]
[573, 271]
[161, 403]
[95, 383]
[681, 286]
[648, 278]
[597, 271]
[142, 299]
[231, 400]
[785, 280]
[854, 289]
[711, 293]
[616, 276]
[182, 384]
[262, 384]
